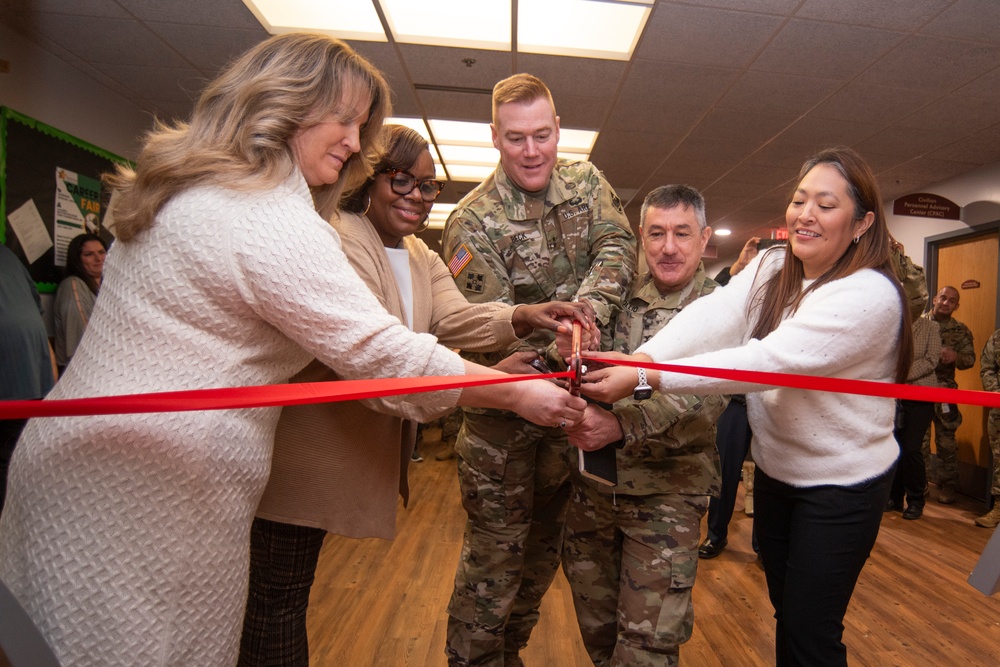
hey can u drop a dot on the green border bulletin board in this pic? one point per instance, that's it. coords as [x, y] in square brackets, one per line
[30, 154]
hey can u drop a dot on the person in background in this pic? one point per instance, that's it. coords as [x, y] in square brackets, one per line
[989, 372]
[339, 467]
[28, 370]
[540, 228]
[126, 538]
[913, 418]
[957, 352]
[733, 438]
[828, 306]
[631, 550]
[77, 293]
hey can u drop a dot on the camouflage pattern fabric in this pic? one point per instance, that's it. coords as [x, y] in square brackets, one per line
[911, 277]
[632, 569]
[502, 244]
[631, 552]
[989, 371]
[575, 241]
[515, 490]
[947, 416]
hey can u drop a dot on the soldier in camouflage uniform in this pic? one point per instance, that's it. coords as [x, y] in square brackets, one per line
[957, 351]
[989, 371]
[538, 229]
[631, 551]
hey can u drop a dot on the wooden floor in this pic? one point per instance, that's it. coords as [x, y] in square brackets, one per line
[378, 603]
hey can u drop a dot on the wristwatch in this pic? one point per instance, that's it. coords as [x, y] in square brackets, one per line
[642, 390]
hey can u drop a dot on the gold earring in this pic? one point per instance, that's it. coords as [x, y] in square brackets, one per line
[369, 205]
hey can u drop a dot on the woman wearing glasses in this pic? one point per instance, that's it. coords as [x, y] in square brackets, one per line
[338, 467]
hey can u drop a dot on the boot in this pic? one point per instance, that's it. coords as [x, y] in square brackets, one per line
[992, 518]
[748, 470]
[946, 496]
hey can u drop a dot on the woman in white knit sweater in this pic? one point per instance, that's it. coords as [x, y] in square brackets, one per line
[125, 537]
[829, 307]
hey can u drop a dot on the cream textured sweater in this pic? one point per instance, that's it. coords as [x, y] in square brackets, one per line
[847, 329]
[126, 537]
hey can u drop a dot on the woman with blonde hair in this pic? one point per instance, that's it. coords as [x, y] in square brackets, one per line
[126, 537]
[828, 306]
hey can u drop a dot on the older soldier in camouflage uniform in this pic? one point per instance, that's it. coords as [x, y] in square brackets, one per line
[538, 229]
[957, 351]
[631, 552]
[989, 371]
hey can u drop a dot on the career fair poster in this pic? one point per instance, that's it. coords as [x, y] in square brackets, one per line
[78, 209]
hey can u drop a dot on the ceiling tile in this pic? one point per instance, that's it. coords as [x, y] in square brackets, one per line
[702, 36]
[908, 15]
[231, 14]
[933, 64]
[827, 50]
[878, 105]
[784, 94]
[211, 48]
[975, 20]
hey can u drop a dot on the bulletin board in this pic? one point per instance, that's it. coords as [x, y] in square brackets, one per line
[50, 184]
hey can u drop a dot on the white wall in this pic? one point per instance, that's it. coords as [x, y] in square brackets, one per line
[45, 88]
[977, 192]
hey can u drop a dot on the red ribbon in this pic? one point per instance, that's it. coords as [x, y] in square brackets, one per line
[350, 390]
[262, 396]
[910, 392]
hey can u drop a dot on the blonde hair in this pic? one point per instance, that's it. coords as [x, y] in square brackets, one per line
[520, 89]
[239, 132]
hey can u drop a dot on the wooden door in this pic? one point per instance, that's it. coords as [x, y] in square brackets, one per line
[970, 265]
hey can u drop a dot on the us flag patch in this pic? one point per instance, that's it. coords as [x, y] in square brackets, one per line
[459, 260]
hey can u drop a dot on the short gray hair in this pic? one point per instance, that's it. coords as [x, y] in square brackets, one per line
[669, 196]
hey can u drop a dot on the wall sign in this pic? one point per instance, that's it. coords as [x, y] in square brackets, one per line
[925, 205]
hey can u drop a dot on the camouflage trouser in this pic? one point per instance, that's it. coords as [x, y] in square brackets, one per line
[993, 428]
[631, 564]
[945, 425]
[515, 490]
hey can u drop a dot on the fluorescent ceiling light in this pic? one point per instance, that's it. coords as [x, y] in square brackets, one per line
[439, 215]
[345, 19]
[582, 28]
[470, 173]
[606, 29]
[461, 132]
[462, 23]
[722, 232]
[416, 124]
[480, 155]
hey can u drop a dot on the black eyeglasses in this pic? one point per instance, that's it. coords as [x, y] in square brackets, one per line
[403, 182]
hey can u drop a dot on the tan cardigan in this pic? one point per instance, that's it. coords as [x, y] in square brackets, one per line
[339, 466]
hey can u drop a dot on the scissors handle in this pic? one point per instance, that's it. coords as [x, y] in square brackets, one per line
[575, 360]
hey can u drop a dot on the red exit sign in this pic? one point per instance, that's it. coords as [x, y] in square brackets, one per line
[780, 233]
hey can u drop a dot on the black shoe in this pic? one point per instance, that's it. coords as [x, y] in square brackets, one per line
[893, 505]
[913, 511]
[710, 549]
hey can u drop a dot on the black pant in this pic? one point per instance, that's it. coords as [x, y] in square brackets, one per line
[911, 473]
[813, 543]
[732, 439]
[283, 561]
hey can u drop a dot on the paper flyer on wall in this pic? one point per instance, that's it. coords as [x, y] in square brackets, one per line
[78, 209]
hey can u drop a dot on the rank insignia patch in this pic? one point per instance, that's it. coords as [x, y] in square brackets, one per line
[461, 257]
[474, 282]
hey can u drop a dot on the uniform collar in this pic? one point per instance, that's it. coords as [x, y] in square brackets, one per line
[519, 205]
